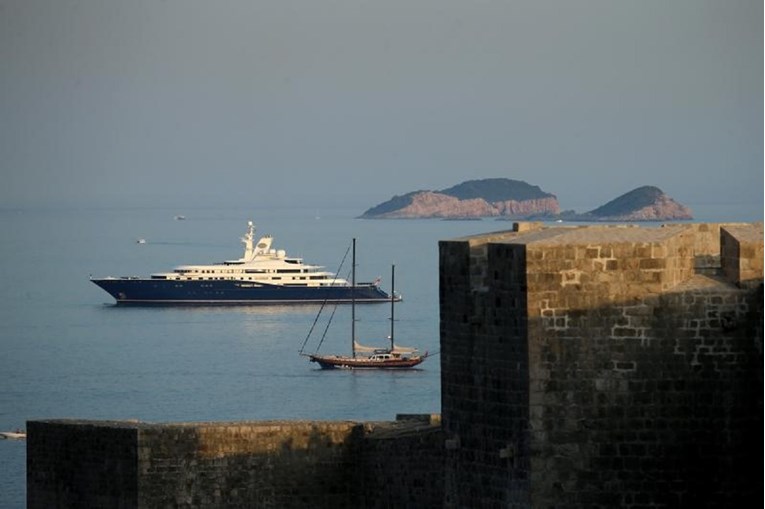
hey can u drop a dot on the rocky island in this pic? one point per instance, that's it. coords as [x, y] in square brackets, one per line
[503, 198]
[647, 203]
[496, 197]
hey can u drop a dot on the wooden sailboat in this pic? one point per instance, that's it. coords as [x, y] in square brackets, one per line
[365, 357]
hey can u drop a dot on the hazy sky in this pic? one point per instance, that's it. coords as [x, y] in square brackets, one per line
[266, 102]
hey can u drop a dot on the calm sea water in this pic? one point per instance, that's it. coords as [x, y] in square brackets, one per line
[68, 352]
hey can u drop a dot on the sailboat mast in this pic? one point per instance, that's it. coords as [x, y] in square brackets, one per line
[392, 303]
[353, 299]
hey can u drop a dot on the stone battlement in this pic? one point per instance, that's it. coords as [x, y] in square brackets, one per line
[602, 366]
[79, 463]
[587, 366]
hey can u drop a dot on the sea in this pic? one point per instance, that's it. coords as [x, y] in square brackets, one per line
[67, 351]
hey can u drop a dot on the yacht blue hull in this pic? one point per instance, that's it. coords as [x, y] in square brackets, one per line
[144, 291]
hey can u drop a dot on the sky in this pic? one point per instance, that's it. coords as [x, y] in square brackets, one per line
[315, 102]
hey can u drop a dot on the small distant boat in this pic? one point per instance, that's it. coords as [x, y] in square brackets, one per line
[140, 241]
[13, 435]
[180, 218]
[367, 357]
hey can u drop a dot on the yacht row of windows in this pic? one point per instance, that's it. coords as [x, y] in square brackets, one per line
[274, 278]
[246, 271]
[224, 293]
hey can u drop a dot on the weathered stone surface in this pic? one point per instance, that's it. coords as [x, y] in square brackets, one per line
[279, 464]
[596, 367]
[742, 253]
[74, 464]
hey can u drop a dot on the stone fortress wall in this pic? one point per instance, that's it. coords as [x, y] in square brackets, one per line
[603, 366]
[277, 464]
[589, 366]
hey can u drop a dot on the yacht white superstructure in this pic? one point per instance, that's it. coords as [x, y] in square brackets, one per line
[261, 263]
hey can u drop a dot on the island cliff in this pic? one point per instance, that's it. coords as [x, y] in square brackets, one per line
[472, 199]
[514, 199]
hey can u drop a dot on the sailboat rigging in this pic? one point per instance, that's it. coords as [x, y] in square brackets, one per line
[366, 357]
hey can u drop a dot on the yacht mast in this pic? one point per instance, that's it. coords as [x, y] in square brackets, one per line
[353, 299]
[392, 303]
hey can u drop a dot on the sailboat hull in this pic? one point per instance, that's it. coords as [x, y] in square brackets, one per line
[343, 362]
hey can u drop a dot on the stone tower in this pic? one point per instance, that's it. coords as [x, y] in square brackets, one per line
[603, 366]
